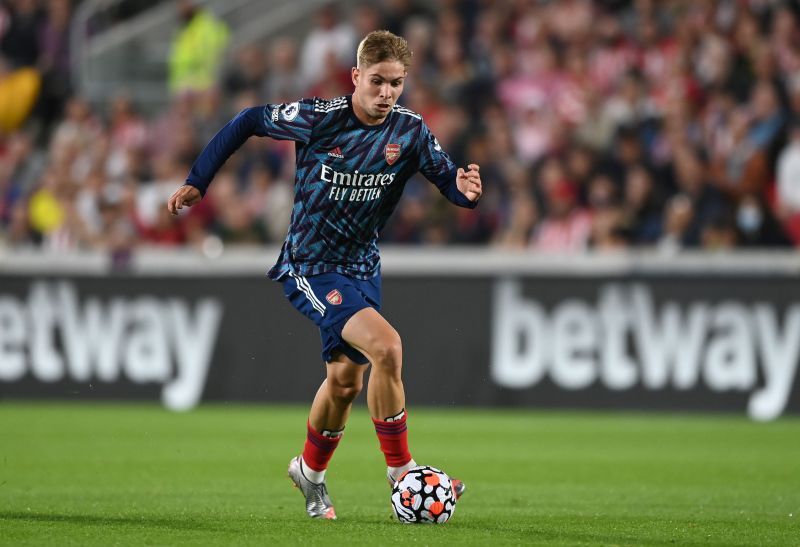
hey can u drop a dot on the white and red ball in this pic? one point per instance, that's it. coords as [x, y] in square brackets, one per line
[423, 495]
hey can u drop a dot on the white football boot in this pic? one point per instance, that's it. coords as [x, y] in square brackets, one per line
[318, 502]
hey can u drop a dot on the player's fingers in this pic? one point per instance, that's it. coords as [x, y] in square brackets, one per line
[460, 173]
[176, 202]
[474, 167]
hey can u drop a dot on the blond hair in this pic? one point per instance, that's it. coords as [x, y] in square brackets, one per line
[382, 45]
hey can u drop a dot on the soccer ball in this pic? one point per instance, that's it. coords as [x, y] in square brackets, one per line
[422, 495]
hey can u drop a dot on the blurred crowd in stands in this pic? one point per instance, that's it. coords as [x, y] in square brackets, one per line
[598, 125]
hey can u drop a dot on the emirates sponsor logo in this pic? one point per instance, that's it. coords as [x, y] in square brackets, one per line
[355, 186]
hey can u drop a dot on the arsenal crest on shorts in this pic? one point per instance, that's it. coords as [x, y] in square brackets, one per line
[334, 297]
[391, 153]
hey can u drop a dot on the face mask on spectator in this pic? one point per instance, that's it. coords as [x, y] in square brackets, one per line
[749, 218]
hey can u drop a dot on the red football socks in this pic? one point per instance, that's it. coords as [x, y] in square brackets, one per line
[319, 449]
[393, 437]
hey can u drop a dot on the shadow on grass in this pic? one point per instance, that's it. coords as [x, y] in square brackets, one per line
[140, 521]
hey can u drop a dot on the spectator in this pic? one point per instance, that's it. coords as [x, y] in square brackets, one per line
[757, 226]
[784, 38]
[234, 221]
[20, 232]
[333, 80]
[55, 61]
[609, 232]
[678, 218]
[330, 42]
[154, 226]
[79, 139]
[643, 208]
[767, 115]
[455, 72]
[601, 125]
[566, 226]
[741, 168]
[533, 132]
[522, 219]
[719, 234]
[708, 204]
[21, 166]
[248, 71]
[269, 201]
[116, 233]
[629, 106]
[788, 184]
[521, 216]
[399, 12]
[366, 18]
[407, 224]
[19, 43]
[127, 136]
[47, 208]
[283, 83]
[197, 50]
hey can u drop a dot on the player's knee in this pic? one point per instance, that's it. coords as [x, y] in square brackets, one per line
[345, 392]
[388, 355]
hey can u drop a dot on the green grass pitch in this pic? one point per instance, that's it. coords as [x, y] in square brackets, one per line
[110, 474]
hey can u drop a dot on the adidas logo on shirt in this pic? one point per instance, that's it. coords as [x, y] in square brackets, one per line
[336, 153]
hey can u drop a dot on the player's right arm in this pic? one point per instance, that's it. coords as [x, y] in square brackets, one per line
[185, 195]
[292, 121]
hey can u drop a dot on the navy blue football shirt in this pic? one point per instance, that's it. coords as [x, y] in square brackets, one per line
[349, 178]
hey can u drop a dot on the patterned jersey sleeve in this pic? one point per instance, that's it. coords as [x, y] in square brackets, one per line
[438, 168]
[289, 121]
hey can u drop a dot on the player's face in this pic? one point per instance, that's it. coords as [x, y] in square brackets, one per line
[377, 89]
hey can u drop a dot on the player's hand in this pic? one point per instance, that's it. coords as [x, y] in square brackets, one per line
[185, 195]
[469, 182]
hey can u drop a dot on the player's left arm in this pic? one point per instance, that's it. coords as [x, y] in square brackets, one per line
[462, 188]
[469, 182]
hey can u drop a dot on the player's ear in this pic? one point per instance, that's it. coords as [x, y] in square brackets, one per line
[355, 74]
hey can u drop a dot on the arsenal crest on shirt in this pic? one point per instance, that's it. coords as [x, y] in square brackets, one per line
[334, 297]
[391, 153]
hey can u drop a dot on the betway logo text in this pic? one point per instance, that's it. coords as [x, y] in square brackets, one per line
[53, 337]
[623, 340]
